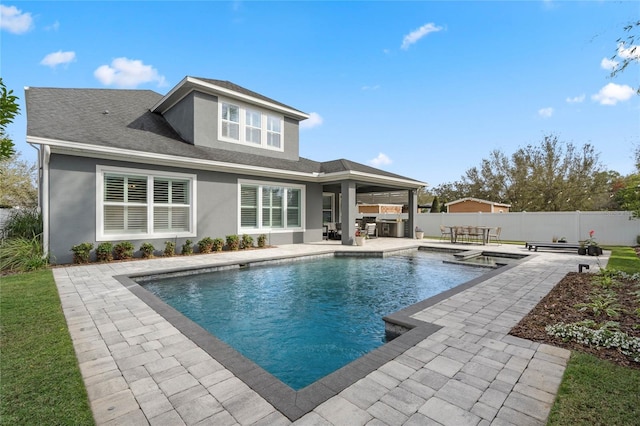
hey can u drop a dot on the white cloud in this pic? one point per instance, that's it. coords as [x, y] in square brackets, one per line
[613, 93]
[380, 160]
[576, 99]
[545, 112]
[416, 35]
[13, 20]
[632, 52]
[314, 120]
[53, 27]
[56, 58]
[376, 87]
[608, 64]
[124, 72]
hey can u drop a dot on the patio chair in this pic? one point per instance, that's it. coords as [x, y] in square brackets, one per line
[462, 233]
[332, 231]
[445, 232]
[371, 230]
[474, 233]
[495, 235]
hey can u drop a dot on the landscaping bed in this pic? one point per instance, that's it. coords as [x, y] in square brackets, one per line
[579, 297]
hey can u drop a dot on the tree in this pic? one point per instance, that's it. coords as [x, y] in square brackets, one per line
[435, 205]
[628, 193]
[551, 176]
[8, 110]
[17, 186]
[627, 51]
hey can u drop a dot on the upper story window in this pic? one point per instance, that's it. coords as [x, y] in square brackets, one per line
[251, 126]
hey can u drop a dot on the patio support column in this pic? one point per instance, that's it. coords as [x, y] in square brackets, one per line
[348, 211]
[413, 208]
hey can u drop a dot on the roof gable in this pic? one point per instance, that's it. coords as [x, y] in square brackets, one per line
[477, 200]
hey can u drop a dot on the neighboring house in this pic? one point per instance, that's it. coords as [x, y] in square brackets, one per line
[209, 158]
[475, 205]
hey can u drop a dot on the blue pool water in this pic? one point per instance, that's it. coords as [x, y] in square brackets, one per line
[303, 320]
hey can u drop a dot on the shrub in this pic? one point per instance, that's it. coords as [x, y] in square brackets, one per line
[262, 240]
[205, 245]
[124, 250]
[169, 248]
[247, 241]
[147, 250]
[23, 223]
[233, 242]
[22, 255]
[104, 252]
[81, 252]
[218, 243]
[187, 248]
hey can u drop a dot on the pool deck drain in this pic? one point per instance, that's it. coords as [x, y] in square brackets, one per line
[139, 368]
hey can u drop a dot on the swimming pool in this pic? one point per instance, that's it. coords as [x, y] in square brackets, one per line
[303, 320]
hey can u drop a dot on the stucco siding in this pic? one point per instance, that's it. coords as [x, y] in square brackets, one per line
[181, 118]
[73, 206]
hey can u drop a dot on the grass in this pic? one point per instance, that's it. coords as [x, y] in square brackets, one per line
[624, 259]
[598, 392]
[41, 381]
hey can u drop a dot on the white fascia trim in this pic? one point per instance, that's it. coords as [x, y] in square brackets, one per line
[232, 94]
[369, 178]
[85, 150]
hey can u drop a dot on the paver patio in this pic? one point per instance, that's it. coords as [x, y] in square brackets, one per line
[140, 369]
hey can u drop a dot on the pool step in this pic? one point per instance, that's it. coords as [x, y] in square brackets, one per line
[469, 254]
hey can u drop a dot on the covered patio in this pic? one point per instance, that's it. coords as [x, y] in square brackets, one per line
[353, 182]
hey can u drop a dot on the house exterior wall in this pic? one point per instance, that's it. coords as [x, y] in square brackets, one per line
[195, 118]
[181, 118]
[72, 211]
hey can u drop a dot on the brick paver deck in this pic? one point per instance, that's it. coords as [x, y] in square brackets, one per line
[140, 369]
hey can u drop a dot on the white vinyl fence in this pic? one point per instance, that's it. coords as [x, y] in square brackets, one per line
[612, 228]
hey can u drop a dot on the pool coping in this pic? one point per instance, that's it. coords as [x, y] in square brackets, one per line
[291, 403]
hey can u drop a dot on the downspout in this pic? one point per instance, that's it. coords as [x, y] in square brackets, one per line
[44, 155]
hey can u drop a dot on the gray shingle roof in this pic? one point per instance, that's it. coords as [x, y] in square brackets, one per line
[121, 119]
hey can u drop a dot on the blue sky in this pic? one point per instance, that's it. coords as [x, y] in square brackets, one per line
[424, 89]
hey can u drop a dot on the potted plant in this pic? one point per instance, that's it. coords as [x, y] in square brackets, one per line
[593, 249]
[582, 250]
[360, 237]
[419, 233]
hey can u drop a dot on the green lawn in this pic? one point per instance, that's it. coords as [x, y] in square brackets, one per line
[40, 383]
[597, 392]
[624, 259]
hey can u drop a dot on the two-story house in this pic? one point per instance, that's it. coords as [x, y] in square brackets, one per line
[209, 158]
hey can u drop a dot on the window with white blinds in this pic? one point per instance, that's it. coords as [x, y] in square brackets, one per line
[266, 206]
[137, 205]
[240, 123]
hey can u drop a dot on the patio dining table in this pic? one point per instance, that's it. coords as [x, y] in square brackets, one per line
[453, 229]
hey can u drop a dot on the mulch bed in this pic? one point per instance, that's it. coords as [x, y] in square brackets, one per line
[558, 306]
